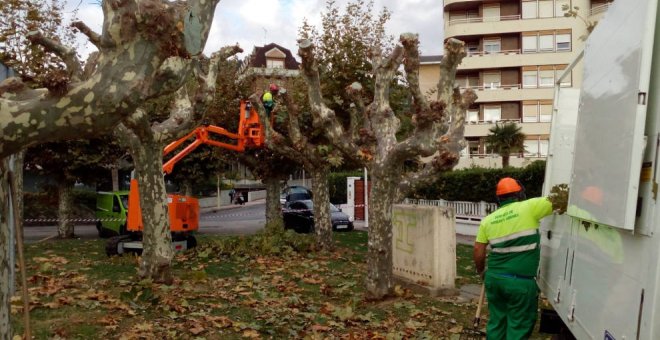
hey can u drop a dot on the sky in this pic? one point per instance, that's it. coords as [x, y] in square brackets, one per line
[258, 22]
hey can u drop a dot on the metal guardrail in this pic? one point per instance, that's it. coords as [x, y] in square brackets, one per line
[484, 19]
[599, 9]
[486, 53]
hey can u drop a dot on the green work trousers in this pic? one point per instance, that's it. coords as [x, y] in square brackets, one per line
[512, 305]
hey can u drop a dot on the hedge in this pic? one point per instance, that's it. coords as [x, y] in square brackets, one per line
[478, 184]
[337, 185]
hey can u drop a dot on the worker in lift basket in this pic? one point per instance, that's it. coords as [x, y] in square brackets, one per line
[268, 99]
[512, 232]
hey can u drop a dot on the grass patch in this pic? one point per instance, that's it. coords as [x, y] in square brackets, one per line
[223, 291]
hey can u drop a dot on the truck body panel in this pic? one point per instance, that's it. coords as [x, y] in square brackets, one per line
[600, 262]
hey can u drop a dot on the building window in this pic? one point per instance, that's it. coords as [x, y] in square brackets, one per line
[473, 116]
[492, 80]
[473, 81]
[529, 43]
[563, 42]
[492, 46]
[566, 82]
[545, 112]
[543, 147]
[492, 12]
[531, 148]
[472, 48]
[530, 79]
[492, 113]
[546, 43]
[530, 112]
[559, 7]
[546, 8]
[547, 78]
[274, 63]
[529, 9]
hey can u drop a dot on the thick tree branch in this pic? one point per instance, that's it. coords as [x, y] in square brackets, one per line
[357, 111]
[323, 117]
[90, 65]
[410, 44]
[67, 54]
[93, 37]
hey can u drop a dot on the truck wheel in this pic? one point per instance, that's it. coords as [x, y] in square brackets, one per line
[191, 242]
[111, 246]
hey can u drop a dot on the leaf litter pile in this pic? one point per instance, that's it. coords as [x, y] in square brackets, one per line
[78, 292]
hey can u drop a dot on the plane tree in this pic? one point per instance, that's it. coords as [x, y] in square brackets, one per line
[438, 127]
[146, 49]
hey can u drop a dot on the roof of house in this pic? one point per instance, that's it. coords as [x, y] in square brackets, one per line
[258, 56]
[430, 59]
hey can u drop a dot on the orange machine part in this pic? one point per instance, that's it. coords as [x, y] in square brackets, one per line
[183, 211]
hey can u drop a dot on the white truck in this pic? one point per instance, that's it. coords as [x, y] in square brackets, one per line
[600, 262]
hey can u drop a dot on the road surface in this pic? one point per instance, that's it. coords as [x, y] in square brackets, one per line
[234, 220]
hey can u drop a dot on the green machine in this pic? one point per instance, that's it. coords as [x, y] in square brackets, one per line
[111, 211]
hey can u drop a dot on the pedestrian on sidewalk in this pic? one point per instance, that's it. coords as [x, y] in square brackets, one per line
[232, 192]
[512, 232]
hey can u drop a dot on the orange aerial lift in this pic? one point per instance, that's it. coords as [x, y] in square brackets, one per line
[184, 210]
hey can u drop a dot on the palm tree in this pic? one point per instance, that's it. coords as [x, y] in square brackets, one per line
[506, 139]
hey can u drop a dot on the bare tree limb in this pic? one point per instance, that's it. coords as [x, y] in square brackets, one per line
[93, 37]
[90, 65]
[67, 54]
[410, 44]
[357, 111]
[323, 117]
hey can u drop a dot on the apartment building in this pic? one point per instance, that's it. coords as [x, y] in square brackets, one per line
[516, 51]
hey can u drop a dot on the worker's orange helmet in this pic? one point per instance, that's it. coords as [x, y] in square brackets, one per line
[508, 185]
[593, 194]
[273, 87]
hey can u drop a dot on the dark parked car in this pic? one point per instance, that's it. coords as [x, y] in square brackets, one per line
[299, 216]
[295, 193]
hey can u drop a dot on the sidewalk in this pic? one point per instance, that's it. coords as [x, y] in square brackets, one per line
[230, 207]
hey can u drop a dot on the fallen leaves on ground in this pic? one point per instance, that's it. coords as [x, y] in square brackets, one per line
[313, 296]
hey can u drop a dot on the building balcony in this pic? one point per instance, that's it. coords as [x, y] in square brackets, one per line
[507, 24]
[480, 128]
[514, 58]
[509, 93]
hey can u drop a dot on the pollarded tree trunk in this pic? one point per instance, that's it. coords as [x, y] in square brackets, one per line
[157, 255]
[438, 131]
[5, 265]
[379, 259]
[322, 221]
[65, 209]
[274, 220]
[115, 178]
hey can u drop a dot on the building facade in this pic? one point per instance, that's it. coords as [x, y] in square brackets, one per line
[516, 50]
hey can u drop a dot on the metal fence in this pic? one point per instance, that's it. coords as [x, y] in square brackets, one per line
[461, 208]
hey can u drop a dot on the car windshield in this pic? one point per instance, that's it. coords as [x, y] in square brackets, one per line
[297, 190]
[333, 208]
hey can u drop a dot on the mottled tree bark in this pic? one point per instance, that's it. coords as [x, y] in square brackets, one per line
[157, 239]
[322, 218]
[274, 220]
[145, 51]
[146, 141]
[371, 138]
[187, 188]
[65, 209]
[5, 265]
[115, 178]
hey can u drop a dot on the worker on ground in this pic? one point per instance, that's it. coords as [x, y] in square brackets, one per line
[268, 99]
[512, 232]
